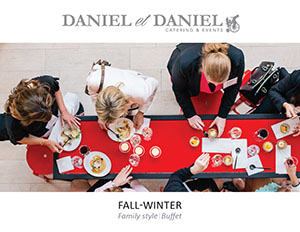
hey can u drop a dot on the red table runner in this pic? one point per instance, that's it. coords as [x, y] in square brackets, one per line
[173, 136]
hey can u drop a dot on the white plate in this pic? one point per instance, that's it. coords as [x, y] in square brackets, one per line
[113, 127]
[88, 168]
[75, 142]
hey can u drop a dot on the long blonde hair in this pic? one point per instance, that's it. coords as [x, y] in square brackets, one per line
[216, 64]
[30, 101]
[111, 104]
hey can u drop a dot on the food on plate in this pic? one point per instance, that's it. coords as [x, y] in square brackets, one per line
[194, 141]
[123, 129]
[75, 134]
[282, 144]
[98, 164]
[284, 128]
[268, 146]
[227, 160]
[212, 133]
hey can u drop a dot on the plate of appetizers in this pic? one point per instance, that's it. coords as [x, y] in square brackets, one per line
[97, 164]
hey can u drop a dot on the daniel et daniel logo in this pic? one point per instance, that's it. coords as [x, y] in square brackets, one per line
[170, 23]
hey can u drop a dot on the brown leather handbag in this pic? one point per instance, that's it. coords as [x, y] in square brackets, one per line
[261, 80]
[103, 63]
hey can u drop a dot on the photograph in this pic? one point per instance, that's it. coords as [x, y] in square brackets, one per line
[149, 117]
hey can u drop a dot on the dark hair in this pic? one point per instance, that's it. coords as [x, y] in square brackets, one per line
[30, 101]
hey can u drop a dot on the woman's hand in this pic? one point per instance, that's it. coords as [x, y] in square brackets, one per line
[220, 123]
[291, 171]
[123, 176]
[53, 146]
[290, 110]
[138, 120]
[196, 122]
[70, 119]
[102, 125]
[296, 130]
[200, 164]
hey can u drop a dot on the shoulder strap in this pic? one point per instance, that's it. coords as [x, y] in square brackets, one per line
[103, 63]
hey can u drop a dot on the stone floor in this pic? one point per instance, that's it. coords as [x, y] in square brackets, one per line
[71, 62]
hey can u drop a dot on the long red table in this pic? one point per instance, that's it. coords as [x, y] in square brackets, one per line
[172, 135]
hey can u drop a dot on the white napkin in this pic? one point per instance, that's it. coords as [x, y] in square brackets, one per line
[216, 145]
[145, 124]
[281, 156]
[256, 161]
[64, 164]
[242, 160]
[277, 131]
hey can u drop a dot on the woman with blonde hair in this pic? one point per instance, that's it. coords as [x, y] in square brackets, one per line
[206, 68]
[117, 92]
[33, 108]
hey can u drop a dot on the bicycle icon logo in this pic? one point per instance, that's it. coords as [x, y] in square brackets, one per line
[232, 24]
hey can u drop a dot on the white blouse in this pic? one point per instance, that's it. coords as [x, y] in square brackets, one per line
[136, 85]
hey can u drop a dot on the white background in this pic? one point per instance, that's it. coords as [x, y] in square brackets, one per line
[40, 21]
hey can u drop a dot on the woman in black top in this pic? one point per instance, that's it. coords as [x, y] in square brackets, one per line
[181, 180]
[209, 67]
[285, 96]
[29, 109]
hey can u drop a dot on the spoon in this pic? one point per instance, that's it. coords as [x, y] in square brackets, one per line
[252, 167]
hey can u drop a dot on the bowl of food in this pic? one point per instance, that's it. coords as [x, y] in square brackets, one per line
[227, 160]
[212, 133]
[124, 147]
[155, 152]
[194, 141]
[285, 128]
[268, 146]
[139, 150]
[282, 144]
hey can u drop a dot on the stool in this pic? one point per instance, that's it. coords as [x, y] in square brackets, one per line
[40, 160]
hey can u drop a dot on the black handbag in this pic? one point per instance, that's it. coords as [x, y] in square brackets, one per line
[262, 78]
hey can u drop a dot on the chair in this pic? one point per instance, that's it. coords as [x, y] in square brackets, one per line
[40, 160]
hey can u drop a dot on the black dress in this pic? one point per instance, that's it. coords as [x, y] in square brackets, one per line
[184, 65]
[12, 129]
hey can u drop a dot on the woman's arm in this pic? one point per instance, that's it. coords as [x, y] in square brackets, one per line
[65, 115]
[33, 140]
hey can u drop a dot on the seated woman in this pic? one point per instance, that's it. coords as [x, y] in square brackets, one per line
[284, 97]
[116, 92]
[180, 181]
[122, 183]
[32, 109]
